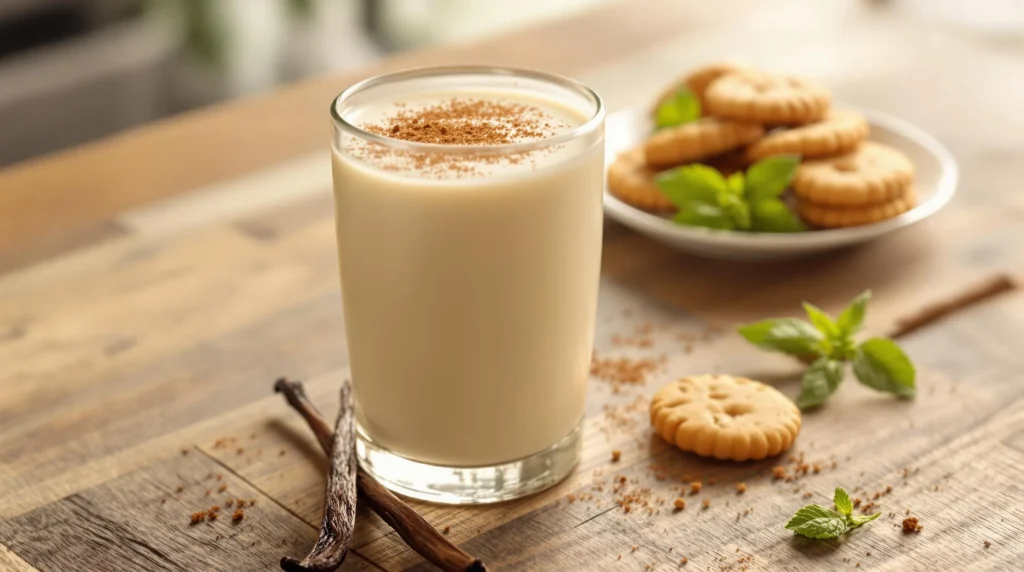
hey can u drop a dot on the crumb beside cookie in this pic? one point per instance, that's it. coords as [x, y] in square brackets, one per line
[725, 417]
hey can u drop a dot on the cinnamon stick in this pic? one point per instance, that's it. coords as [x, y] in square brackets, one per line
[929, 314]
[413, 528]
[340, 500]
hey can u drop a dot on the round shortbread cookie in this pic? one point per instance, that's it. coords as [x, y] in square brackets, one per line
[759, 97]
[839, 217]
[871, 174]
[725, 417]
[697, 81]
[632, 182]
[839, 132]
[698, 140]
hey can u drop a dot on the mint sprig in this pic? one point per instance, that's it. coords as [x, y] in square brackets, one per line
[748, 202]
[682, 107]
[828, 345]
[815, 521]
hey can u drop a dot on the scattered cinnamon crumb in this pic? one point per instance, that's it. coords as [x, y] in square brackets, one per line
[987, 544]
[447, 529]
[280, 453]
[911, 524]
[684, 560]
[163, 501]
[252, 502]
[856, 502]
[240, 503]
[211, 515]
[179, 488]
[741, 488]
[695, 487]
[570, 497]
[679, 503]
[616, 455]
[238, 515]
[240, 450]
[197, 517]
[779, 472]
[229, 502]
[222, 488]
[219, 477]
[207, 493]
[184, 452]
[632, 548]
[808, 494]
[705, 503]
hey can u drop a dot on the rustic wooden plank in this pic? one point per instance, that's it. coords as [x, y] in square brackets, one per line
[12, 562]
[141, 521]
[48, 247]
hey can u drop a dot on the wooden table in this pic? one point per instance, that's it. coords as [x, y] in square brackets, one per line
[152, 286]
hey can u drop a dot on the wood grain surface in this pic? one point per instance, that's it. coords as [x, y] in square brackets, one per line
[152, 287]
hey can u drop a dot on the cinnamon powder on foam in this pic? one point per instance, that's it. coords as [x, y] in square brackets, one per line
[457, 121]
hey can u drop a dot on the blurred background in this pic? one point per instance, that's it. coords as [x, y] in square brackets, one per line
[76, 70]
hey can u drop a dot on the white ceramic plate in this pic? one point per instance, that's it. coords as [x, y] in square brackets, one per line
[936, 176]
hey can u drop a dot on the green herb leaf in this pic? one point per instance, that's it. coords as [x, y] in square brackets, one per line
[823, 322]
[735, 184]
[786, 335]
[819, 382]
[705, 215]
[815, 521]
[852, 318]
[842, 501]
[692, 183]
[881, 364]
[856, 521]
[769, 177]
[772, 215]
[683, 107]
[738, 210]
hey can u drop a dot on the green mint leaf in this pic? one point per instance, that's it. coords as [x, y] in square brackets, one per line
[786, 335]
[683, 107]
[881, 364]
[769, 177]
[852, 318]
[819, 382]
[735, 184]
[842, 501]
[692, 183]
[772, 215]
[705, 215]
[738, 211]
[856, 521]
[823, 322]
[814, 521]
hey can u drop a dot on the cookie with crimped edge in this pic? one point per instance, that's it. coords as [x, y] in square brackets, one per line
[725, 417]
[839, 132]
[871, 174]
[697, 140]
[697, 81]
[841, 217]
[632, 182]
[759, 97]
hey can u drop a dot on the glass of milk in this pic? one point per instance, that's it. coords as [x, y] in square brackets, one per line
[468, 209]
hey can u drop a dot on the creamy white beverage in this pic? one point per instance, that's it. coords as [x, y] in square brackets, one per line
[469, 237]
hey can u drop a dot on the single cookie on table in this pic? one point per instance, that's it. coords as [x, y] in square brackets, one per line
[697, 140]
[725, 417]
[759, 97]
[871, 174]
[632, 182]
[839, 132]
[841, 217]
[697, 81]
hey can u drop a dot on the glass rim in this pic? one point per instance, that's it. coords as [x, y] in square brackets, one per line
[589, 126]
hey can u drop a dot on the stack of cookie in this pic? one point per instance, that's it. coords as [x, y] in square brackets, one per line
[747, 115]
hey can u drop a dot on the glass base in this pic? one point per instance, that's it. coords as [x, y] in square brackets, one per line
[469, 485]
